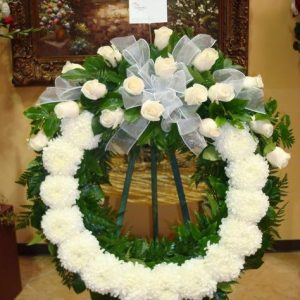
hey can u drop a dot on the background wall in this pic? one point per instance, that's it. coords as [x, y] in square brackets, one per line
[270, 54]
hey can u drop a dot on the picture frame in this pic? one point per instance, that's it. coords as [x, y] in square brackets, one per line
[32, 67]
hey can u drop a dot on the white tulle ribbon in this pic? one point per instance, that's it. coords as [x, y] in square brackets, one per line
[186, 49]
[62, 91]
[166, 91]
[253, 95]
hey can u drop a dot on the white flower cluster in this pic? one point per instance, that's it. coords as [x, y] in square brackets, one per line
[59, 191]
[102, 272]
[79, 131]
[235, 143]
[60, 157]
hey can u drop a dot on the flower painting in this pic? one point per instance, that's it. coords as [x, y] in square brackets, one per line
[78, 28]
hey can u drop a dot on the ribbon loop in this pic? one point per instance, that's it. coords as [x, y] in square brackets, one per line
[127, 135]
[122, 43]
[62, 91]
[137, 53]
[255, 97]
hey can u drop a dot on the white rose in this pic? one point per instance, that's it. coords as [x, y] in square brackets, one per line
[134, 85]
[94, 90]
[67, 109]
[110, 54]
[263, 127]
[256, 81]
[70, 66]
[209, 128]
[165, 67]
[5, 10]
[39, 141]
[111, 118]
[162, 37]
[196, 94]
[206, 59]
[221, 92]
[152, 110]
[278, 158]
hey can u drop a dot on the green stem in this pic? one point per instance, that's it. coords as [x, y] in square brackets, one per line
[179, 187]
[154, 191]
[131, 161]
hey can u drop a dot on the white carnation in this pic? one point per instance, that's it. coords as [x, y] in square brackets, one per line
[77, 251]
[102, 274]
[135, 281]
[79, 132]
[250, 173]
[166, 279]
[247, 206]
[234, 143]
[60, 157]
[59, 224]
[223, 264]
[240, 237]
[196, 282]
[59, 191]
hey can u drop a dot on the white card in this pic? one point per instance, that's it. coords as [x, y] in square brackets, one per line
[148, 11]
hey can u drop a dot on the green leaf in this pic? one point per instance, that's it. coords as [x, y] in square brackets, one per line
[111, 101]
[132, 115]
[51, 125]
[35, 113]
[236, 105]
[220, 121]
[77, 74]
[218, 186]
[210, 153]
[96, 126]
[225, 287]
[269, 148]
[38, 238]
[93, 64]
[52, 249]
[95, 296]
[78, 285]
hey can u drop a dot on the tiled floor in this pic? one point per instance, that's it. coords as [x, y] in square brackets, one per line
[277, 279]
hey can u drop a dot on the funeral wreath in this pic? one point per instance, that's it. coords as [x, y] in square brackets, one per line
[178, 94]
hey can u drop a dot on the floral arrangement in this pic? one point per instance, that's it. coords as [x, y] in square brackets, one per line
[296, 9]
[56, 14]
[178, 94]
[7, 20]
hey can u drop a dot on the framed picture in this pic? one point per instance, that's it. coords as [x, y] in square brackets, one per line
[74, 29]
